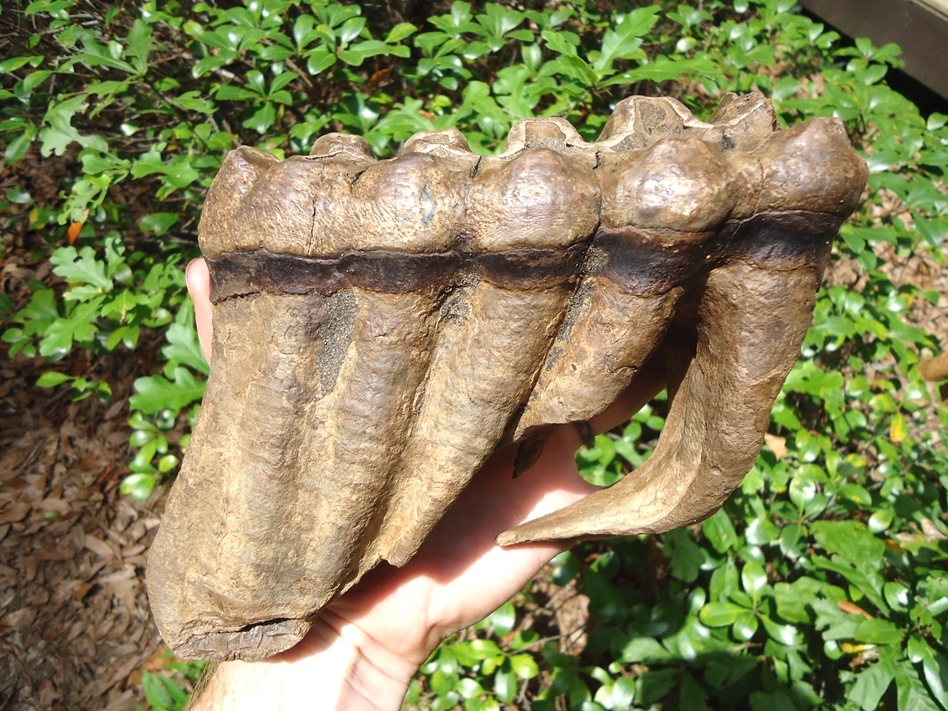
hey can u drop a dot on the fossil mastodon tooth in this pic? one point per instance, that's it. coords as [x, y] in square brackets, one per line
[381, 327]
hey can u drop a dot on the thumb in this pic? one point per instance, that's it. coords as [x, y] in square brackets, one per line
[199, 286]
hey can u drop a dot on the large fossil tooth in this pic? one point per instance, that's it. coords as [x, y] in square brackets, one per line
[381, 327]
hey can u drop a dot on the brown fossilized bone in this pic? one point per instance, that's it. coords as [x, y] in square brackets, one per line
[381, 327]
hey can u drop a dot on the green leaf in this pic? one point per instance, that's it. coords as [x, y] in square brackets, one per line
[154, 690]
[851, 540]
[51, 7]
[720, 531]
[18, 341]
[155, 392]
[359, 52]
[79, 326]
[745, 626]
[399, 32]
[762, 531]
[913, 695]
[856, 493]
[787, 635]
[867, 584]
[167, 463]
[753, 578]
[524, 666]
[158, 222]
[80, 268]
[880, 520]
[897, 595]
[773, 701]
[58, 132]
[794, 600]
[662, 69]
[792, 540]
[98, 56]
[184, 348]
[563, 43]
[691, 696]
[262, 119]
[118, 307]
[684, 554]
[482, 650]
[17, 147]
[505, 686]
[503, 619]
[624, 39]
[51, 379]
[350, 29]
[280, 81]
[139, 43]
[877, 631]
[39, 312]
[656, 685]
[721, 614]
[870, 686]
[8, 66]
[320, 60]
[94, 162]
[139, 486]
[575, 68]
[194, 101]
[935, 669]
[178, 171]
[645, 650]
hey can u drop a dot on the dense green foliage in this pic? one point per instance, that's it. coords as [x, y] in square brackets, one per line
[821, 583]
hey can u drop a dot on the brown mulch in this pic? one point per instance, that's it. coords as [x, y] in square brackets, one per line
[75, 628]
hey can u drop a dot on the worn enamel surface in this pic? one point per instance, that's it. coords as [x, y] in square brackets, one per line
[381, 327]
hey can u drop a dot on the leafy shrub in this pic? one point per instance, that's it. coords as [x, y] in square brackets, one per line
[820, 583]
[164, 692]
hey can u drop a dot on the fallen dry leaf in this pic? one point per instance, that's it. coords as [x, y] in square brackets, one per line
[777, 445]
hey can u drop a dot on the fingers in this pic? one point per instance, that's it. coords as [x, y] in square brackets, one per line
[460, 575]
[199, 286]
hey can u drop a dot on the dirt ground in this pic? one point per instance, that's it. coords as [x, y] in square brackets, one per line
[75, 629]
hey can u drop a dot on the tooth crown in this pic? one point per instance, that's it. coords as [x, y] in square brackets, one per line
[654, 166]
[383, 326]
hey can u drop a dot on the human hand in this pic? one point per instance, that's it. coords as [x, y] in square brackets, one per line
[365, 647]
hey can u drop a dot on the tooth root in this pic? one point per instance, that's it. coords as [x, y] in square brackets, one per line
[281, 445]
[607, 336]
[718, 415]
[372, 416]
[481, 375]
[241, 466]
[657, 215]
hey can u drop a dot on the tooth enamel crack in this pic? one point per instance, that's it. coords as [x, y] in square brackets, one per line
[383, 326]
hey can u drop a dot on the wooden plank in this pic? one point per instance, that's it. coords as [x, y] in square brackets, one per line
[939, 6]
[919, 27]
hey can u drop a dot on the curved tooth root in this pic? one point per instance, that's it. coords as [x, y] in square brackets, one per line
[722, 397]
